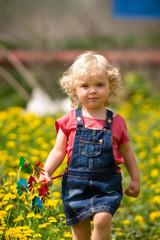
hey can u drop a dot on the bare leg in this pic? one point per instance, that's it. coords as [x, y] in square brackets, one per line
[82, 230]
[102, 226]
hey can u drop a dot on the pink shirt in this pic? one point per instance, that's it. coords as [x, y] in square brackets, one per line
[67, 124]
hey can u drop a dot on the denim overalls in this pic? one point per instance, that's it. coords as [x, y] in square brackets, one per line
[92, 182]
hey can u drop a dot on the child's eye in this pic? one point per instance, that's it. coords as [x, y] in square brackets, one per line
[100, 84]
[84, 85]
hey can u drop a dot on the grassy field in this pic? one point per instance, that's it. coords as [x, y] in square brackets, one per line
[32, 137]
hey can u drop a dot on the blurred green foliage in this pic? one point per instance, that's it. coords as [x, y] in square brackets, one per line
[134, 83]
[137, 83]
[150, 40]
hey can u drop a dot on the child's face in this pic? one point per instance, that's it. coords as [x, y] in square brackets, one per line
[92, 92]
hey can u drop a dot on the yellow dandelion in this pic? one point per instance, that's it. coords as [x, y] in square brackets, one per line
[61, 215]
[120, 234]
[11, 144]
[34, 151]
[154, 215]
[3, 213]
[45, 146]
[157, 191]
[12, 174]
[52, 219]
[154, 173]
[38, 216]
[156, 199]
[35, 158]
[142, 154]
[57, 194]
[9, 196]
[8, 207]
[37, 235]
[51, 203]
[18, 219]
[139, 219]
[156, 149]
[7, 183]
[25, 227]
[2, 227]
[44, 225]
[30, 215]
[156, 133]
[28, 232]
[127, 222]
[67, 235]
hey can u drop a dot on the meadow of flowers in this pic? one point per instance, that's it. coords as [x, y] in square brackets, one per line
[26, 139]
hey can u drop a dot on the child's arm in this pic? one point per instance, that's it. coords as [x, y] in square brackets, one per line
[126, 151]
[55, 158]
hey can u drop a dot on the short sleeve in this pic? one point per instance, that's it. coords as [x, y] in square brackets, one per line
[67, 123]
[63, 124]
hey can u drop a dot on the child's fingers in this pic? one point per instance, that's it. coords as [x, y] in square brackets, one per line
[49, 182]
[45, 180]
[131, 191]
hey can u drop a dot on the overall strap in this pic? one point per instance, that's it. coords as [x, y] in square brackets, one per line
[109, 119]
[79, 119]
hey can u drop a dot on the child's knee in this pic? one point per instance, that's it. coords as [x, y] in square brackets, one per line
[102, 220]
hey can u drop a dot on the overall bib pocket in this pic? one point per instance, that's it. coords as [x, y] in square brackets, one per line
[91, 147]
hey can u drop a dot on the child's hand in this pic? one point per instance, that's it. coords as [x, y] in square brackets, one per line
[133, 189]
[46, 179]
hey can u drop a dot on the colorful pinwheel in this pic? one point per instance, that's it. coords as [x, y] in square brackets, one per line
[38, 169]
[26, 167]
[32, 183]
[43, 192]
[22, 186]
[36, 204]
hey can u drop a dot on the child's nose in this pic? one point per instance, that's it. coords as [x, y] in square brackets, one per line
[92, 90]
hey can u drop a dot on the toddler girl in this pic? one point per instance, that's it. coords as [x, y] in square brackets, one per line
[96, 142]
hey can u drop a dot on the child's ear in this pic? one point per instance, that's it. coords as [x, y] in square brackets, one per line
[111, 86]
[74, 91]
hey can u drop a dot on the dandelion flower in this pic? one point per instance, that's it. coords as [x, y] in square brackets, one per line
[19, 218]
[37, 235]
[30, 215]
[8, 207]
[67, 234]
[52, 219]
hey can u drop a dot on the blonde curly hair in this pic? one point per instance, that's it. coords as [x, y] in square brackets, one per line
[88, 65]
